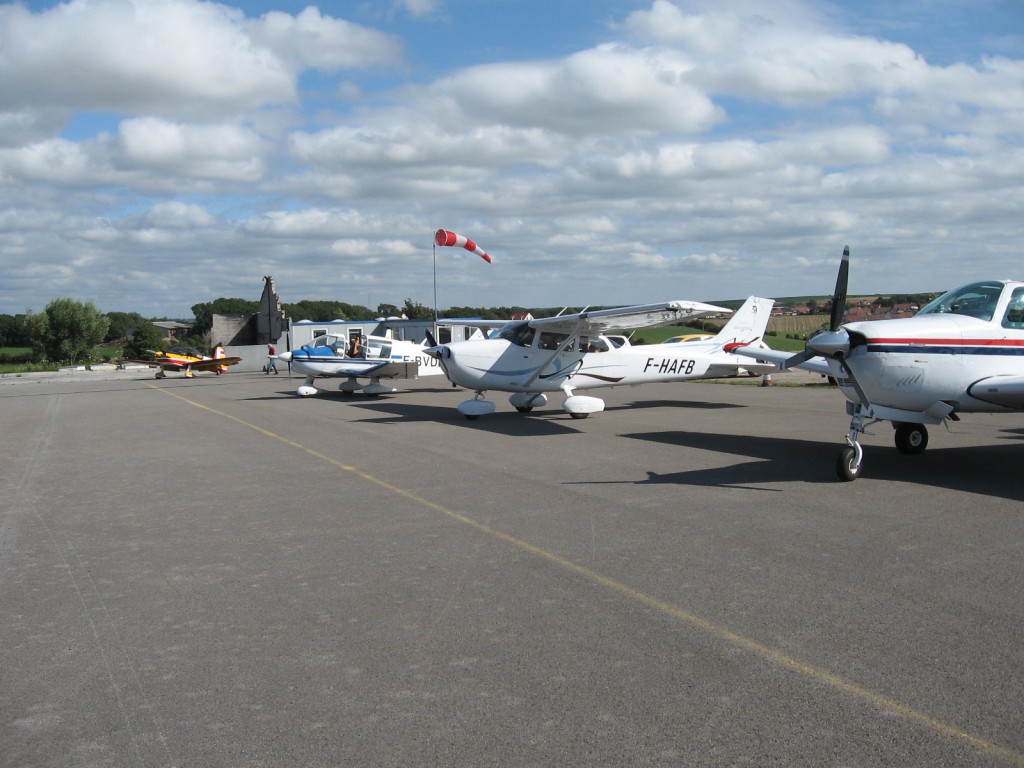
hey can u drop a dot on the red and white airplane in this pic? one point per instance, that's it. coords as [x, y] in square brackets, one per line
[569, 352]
[962, 353]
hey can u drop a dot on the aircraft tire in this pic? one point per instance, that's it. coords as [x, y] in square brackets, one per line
[579, 415]
[524, 408]
[911, 439]
[845, 469]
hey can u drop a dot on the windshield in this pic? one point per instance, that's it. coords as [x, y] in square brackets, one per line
[520, 334]
[187, 351]
[975, 300]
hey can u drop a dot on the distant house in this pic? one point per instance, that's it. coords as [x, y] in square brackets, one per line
[172, 330]
[522, 316]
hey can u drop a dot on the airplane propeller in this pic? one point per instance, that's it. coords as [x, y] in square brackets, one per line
[434, 349]
[833, 343]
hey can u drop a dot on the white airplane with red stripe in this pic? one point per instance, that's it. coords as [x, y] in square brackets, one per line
[962, 353]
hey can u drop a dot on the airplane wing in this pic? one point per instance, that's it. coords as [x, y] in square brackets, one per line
[211, 364]
[171, 364]
[161, 362]
[639, 316]
[815, 364]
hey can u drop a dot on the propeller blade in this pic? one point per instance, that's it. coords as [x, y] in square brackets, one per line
[799, 357]
[834, 342]
[434, 349]
[839, 295]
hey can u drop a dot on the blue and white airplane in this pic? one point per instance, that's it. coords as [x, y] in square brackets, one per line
[375, 358]
[570, 352]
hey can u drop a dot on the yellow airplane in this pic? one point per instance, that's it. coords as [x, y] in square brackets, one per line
[189, 360]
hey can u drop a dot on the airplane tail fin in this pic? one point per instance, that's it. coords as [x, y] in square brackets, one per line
[747, 324]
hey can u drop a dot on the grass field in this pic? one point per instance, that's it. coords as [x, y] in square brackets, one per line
[779, 326]
[9, 354]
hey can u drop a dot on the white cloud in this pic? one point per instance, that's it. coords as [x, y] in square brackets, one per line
[611, 88]
[127, 55]
[182, 58]
[175, 214]
[225, 152]
[718, 143]
[312, 40]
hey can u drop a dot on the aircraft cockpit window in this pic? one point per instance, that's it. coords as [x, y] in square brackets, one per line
[550, 340]
[1015, 310]
[588, 344]
[520, 334]
[976, 300]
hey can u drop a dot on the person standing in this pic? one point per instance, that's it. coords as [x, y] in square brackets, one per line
[271, 359]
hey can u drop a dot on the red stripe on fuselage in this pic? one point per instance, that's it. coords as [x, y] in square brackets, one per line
[953, 342]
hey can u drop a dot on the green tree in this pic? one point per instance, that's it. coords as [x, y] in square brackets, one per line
[323, 311]
[67, 330]
[416, 311]
[12, 331]
[123, 325]
[145, 339]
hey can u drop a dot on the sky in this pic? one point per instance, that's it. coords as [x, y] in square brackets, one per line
[155, 154]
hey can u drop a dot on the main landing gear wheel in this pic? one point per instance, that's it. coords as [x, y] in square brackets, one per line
[848, 468]
[911, 439]
[524, 408]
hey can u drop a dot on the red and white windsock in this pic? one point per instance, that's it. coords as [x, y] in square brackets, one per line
[444, 237]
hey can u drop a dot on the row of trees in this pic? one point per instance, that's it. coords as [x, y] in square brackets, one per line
[322, 311]
[67, 330]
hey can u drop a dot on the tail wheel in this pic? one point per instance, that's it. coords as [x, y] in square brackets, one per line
[911, 439]
[847, 467]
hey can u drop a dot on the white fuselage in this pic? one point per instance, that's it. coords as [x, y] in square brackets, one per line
[974, 364]
[499, 364]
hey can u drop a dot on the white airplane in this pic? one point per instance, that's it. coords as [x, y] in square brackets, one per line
[376, 358]
[962, 353]
[570, 352]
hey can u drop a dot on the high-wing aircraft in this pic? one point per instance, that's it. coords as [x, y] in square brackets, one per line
[187, 360]
[569, 352]
[962, 353]
[376, 358]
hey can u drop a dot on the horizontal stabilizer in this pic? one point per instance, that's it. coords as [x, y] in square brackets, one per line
[815, 364]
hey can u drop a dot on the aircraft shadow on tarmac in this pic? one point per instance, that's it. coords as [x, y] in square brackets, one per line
[698, 404]
[543, 421]
[989, 470]
[538, 423]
